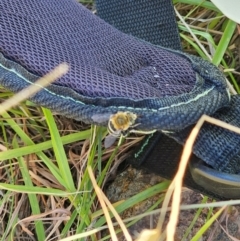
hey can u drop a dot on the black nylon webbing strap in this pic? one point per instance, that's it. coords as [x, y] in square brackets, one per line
[153, 21]
[161, 156]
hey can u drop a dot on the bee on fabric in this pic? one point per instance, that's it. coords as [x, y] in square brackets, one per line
[119, 125]
[120, 122]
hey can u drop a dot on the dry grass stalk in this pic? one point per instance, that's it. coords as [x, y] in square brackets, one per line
[42, 82]
[177, 182]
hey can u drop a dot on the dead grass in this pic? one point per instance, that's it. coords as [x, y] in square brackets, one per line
[17, 219]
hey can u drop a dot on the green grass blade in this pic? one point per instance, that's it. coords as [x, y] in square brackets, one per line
[59, 152]
[224, 42]
[202, 3]
[161, 187]
[33, 190]
[27, 140]
[32, 197]
[86, 184]
[195, 46]
[203, 34]
[17, 152]
[10, 200]
[187, 232]
[69, 223]
[206, 226]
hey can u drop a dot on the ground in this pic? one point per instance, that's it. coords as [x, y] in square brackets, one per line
[132, 181]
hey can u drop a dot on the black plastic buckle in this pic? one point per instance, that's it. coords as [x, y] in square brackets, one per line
[223, 184]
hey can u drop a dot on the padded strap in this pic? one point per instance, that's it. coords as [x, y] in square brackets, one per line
[164, 89]
[153, 21]
[159, 153]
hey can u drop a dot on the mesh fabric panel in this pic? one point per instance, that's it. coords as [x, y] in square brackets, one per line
[110, 71]
[104, 62]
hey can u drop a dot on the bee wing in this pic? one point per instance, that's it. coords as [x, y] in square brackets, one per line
[101, 118]
[109, 141]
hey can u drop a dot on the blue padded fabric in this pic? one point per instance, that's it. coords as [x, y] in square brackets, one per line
[110, 71]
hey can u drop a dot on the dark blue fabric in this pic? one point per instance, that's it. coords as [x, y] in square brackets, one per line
[153, 21]
[110, 71]
[67, 102]
[217, 146]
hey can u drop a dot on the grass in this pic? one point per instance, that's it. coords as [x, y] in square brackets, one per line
[47, 192]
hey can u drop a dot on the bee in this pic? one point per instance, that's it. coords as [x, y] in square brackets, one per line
[120, 122]
[119, 125]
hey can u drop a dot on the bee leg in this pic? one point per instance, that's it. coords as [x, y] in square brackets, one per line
[125, 133]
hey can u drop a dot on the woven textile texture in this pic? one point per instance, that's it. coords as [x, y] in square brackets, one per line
[104, 62]
[110, 71]
[153, 21]
[216, 146]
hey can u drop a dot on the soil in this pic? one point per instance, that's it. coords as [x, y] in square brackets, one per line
[132, 181]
